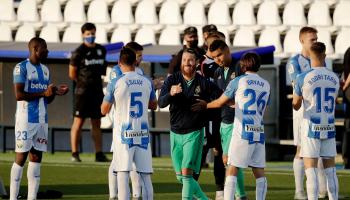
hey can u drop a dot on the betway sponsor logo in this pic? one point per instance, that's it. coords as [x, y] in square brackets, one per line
[38, 86]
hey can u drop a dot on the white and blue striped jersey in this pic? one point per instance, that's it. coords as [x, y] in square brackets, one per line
[319, 89]
[251, 94]
[297, 65]
[35, 78]
[130, 94]
[116, 71]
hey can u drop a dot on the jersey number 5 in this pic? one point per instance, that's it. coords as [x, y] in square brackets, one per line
[253, 104]
[136, 104]
[327, 102]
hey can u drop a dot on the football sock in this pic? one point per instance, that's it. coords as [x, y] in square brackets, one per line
[261, 188]
[16, 176]
[112, 181]
[190, 188]
[332, 183]
[322, 181]
[311, 183]
[33, 175]
[135, 183]
[299, 172]
[230, 187]
[240, 192]
[147, 187]
[123, 186]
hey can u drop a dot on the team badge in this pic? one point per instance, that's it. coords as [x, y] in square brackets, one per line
[197, 90]
[113, 75]
[99, 52]
[17, 70]
[290, 68]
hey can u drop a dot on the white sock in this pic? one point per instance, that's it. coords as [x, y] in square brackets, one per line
[311, 183]
[16, 176]
[123, 186]
[299, 172]
[322, 181]
[33, 175]
[261, 188]
[135, 183]
[147, 187]
[230, 187]
[332, 183]
[112, 181]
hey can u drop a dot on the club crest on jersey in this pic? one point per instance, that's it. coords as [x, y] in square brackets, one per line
[17, 70]
[197, 91]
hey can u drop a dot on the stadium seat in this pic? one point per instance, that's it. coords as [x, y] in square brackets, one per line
[341, 14]
[169, 36]
[291, 42]
[342, 42]
[268, 14]
[74, 12]
[98, 12]
[182, 2]
[225, 31]
[51, 11]
[293, 14]
[271, 36]
[230, 2]
[158, 2]
[50, 33]
[243, 14]
[27, 11]
[122, 12]
[254, 2]
[5, 33]
[194, 13]
[244, 37]
[7, 11]
[219, 13]
[145, 13]
[279, 2]
[170, 13]
[72, 34]
[101, 34]
[25, 33]
[330, 2]
[319, 14]
[121, 34]
[132, 2]
[145, 35]
[323, 35]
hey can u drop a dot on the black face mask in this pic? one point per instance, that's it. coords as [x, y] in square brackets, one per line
[193, 43]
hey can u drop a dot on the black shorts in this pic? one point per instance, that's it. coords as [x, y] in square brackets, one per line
[88, 105]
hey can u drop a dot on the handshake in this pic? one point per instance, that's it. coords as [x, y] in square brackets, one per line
[60, 90]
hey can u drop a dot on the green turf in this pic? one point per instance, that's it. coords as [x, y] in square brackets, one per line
[88, 180]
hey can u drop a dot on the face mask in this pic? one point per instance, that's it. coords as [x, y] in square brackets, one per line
[90, 39]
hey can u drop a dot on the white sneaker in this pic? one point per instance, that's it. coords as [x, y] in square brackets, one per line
[219, 195]
[322, 195]
[300, 195]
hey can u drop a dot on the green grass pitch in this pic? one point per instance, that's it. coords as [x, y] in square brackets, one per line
[88, 180]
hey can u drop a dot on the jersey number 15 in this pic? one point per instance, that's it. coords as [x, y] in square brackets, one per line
[327, 102]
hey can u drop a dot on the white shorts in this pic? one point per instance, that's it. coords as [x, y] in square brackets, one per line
[297, 120]
[30, 135]
[315, 148]
[124, 157]
[242, 154]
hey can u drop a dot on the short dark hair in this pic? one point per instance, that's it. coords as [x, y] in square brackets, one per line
[214, 34]
[209, 28]
[36, 41]
[250, 61]
[318, 48]
[134, 46]
[88, 27]
[217, 44]
[190, 30]
[307, 29]
[192, 51]
[221, 34]
[127, 56]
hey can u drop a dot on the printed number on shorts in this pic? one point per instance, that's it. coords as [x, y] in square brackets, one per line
[135, 103]
[22, 135]
[324, 99]
[254, 104]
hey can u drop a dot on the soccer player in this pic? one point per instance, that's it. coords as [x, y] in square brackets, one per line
[206, 30]
[316, 91]
[33, 90]
[131, 94]
[223, 75]
[86, 66]
[180, 91]
[296, 65]
[249, 93]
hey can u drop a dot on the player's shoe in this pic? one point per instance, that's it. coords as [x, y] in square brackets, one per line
[300, 195]
[323, 195]
[113, 198]
[219, 195]
[242, 198]
[75, 157]
[101, 157]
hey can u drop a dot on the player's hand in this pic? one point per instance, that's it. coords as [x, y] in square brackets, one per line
[50, 90]
[225, 159]
[62, 89]
[199, 106]
[158, 83]
[175, 89]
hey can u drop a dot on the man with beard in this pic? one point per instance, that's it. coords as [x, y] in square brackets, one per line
[191, 39]
[181, 91]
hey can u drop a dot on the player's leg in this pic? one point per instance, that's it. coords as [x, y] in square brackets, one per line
[33, 172]
[75, 136]
[97, 138]
[112, 181]
[261, 183]
[135, 183]
[322, 180]
[231, 182]
[147, 187]
[332, 179]
[16, 174]
[123, 185]
[219, 173]
[311, 178]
